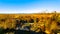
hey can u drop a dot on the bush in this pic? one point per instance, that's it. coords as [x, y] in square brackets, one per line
[1, 31]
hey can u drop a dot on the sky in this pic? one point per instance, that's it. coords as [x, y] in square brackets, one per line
[29, 6]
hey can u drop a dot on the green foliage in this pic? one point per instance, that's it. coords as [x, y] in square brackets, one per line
[1, 31]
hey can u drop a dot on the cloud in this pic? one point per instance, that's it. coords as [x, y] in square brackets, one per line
[26, 11]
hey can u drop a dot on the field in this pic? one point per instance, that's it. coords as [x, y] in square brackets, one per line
[46, 22]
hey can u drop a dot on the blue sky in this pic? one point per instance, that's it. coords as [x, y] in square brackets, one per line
[29, 6]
